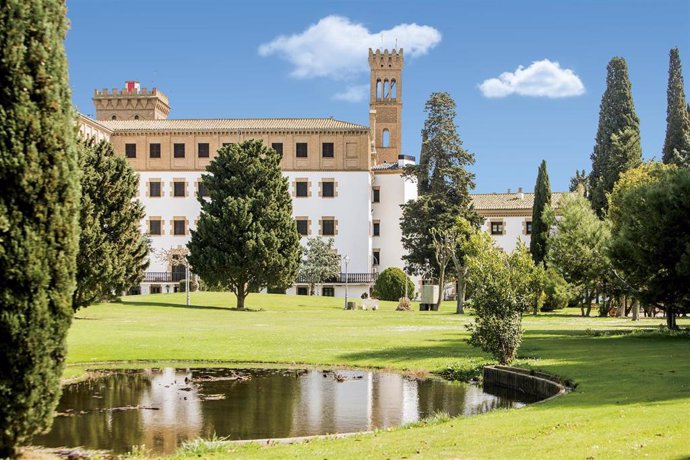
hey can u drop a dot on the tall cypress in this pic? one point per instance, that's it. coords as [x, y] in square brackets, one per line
[677, 143]
[617, 144]
[38, 215]
[540, 231]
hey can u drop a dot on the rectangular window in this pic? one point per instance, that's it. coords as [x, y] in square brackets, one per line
[497, 228]
[376, 255]
[131, 150]
[155, 189]
[528, 228]
[328, 291]
[179, 227]
[301, 188]
[376, 198]
[155, 289]
[301, 150]
[327, 150]
[203, 150]
[302, 290]
[178, 150]
[201, 189]
[303, 227]
[328, 189]
[328, 227]
[178, 189]
[377, 229]
[278, 147]
[154, 150]
[155, 227]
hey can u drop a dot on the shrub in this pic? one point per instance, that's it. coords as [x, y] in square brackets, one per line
[193, 285]
[390, 285]
[557, 290]
[404, 304]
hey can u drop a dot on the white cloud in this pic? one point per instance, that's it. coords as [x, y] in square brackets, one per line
[356, 93]
[541, 79]
[337, 48]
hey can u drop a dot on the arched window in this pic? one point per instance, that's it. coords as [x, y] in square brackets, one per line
[394, 89]
[386, 89]
[379, 89]
[136, 117]
[114, 117]
[386, 138]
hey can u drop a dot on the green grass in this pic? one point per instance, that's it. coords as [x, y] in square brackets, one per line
[632, 397]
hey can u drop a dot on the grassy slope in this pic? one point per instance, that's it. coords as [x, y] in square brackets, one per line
[633, 397]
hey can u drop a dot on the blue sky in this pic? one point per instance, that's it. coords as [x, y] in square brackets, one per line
[207, 56]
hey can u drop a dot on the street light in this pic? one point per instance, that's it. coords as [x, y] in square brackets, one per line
[347, 261]
[186, 277]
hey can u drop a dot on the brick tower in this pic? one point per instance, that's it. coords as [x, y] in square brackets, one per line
[385, 102]
[131, 103]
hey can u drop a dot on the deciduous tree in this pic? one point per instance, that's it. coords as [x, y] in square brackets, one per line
[39, 209]
[113, 253]
[320, 262]
[246, 238]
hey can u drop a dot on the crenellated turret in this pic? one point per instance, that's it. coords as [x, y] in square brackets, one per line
[131, 103]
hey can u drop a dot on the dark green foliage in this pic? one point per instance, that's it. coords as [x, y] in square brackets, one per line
[246, 238]
[579, 181]
[193, 285]
[540, 231]
[390, 285]
[39, 202]
[557, 291]
[651, 240]
[617, 144]
[320, 262]
[443, 184]
[113, 253]
[677, 143]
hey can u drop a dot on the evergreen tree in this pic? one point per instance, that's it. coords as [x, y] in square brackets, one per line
[443, 183]
[246, 238]
[617, 144]
[677, 144]
[38, 215]
[113, 253]
[320, 262]
[540, 231]
[579, 180]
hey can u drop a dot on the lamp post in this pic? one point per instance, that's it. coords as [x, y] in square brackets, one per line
[347, 261]
[186, 276]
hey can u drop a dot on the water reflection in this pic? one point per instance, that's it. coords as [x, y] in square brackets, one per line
[161, 408]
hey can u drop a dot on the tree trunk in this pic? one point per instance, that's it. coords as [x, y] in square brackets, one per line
[636, 310]
[588, 304]
[583, 301]
[620, 310]
[671, 319]
[441, 282]
[460, 293]
[241, 293]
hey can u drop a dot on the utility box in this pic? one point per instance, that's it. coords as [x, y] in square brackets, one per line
[429, 296]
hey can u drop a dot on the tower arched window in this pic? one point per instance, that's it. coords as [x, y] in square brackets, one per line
[136, 117]
[114, 117]
[385, 138]
[379, 89]
[386, 89]
[394, 89]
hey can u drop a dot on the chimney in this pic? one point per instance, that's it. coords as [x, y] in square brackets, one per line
[520, 194]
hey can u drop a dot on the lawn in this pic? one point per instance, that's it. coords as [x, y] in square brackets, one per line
[632, 397]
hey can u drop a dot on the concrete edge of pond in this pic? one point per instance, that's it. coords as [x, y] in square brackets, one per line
[535, 383]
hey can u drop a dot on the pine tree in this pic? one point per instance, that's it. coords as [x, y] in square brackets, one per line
[618, 122]
[443, 184]
[38, 215]
[113, 253]
[677, 144]
[540, 231]
[246, 238]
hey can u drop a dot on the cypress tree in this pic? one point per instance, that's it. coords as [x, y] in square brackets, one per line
[540, 231]
[113, 253]
[246, 238]
[617, 144]
[38, 215]
[677, 143]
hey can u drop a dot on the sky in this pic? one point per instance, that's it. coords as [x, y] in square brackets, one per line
[527, 77]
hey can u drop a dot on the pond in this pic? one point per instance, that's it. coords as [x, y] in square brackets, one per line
[162, 408]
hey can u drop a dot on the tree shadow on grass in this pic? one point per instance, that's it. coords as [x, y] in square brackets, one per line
[178, 305]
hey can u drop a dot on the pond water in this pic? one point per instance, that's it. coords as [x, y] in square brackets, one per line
[162, 408]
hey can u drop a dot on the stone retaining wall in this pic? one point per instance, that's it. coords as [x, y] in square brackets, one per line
[533, 383]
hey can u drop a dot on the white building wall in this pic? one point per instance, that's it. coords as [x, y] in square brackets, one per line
[514, 231]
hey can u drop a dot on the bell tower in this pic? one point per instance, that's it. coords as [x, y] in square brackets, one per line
[385, 102]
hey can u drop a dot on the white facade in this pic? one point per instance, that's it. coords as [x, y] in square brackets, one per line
[514, 229]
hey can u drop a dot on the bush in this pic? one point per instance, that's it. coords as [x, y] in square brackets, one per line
[557, 290]
[404, 304]
[193, 285]
[390, 285]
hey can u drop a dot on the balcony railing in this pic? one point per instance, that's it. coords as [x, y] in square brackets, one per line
[353, 278]
[163, 277]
